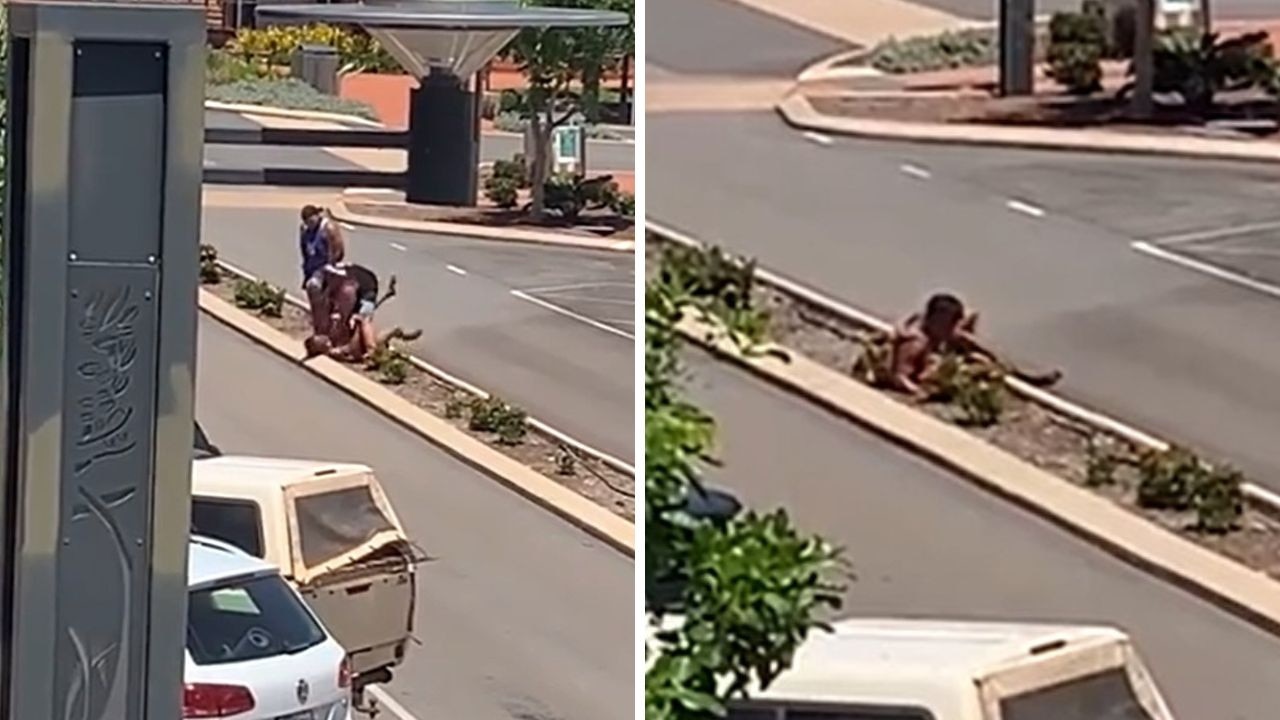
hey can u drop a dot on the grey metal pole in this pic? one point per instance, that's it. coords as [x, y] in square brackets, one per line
[101, 252]
[1144, 59]
[1017, 47]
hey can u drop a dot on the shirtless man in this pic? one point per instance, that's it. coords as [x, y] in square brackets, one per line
[351, 294]
[943, 327]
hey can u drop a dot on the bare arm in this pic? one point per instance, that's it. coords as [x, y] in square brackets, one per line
[337, 243]
[902, 363]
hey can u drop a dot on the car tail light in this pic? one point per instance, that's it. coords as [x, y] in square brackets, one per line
[203, 700]
[344, 673]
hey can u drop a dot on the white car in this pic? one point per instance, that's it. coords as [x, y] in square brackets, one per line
[254, 649]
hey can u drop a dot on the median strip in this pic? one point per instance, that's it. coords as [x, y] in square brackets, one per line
[591, 490]
[1115, 486]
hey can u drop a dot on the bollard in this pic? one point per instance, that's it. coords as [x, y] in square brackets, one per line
[105, 113]
[317, 66]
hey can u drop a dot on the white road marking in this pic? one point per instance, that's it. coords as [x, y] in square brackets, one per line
[1213, 271]
[571, 314]
[389, 703]
[915, 171]
[347, 226]
[455, 270]
[818, 138]
[588, 299]
[1025, 208]
[576, 286]
[1215, 234]
[398, 246]
[1235, 251]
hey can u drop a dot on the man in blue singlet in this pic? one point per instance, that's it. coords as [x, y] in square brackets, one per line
[322, 247]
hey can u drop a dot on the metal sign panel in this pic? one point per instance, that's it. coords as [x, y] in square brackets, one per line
[101, 249]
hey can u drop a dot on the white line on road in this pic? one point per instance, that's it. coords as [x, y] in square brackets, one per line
[398, 246]
[385, 700]
[1025, 208]
[576, 286]
[347, 226]
[1213, 271]
[1252, 252]
[571, 314]
[589, 299]
[915, 171]
[455, 270]
[1215, 234]
[818, 138]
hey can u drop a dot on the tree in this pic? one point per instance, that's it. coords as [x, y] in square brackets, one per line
[747, 589]
[553, 61]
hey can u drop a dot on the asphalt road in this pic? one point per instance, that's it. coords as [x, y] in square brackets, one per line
[1179, 353]
[520, 616]
[561, 348]
[990, 9]
[603, 156]
[927, 544]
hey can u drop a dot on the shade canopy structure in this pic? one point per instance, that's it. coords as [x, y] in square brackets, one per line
[443, 43]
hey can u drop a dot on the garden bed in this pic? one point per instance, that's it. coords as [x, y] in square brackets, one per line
[584, 475]
[599, 223]
[1053, 442]
[1043, 110]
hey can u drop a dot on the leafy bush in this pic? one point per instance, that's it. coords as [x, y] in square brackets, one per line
[624, 205]
[286, 93]
[389, 363]
[210, 273]
[456, 405]
[1103, 463]
[223, 68]
[975, 388]
[494, 415]
[502, 191]
[1167, 480]
[1219, 500]
[1197, 67]
[570, 195]
[1077, 43]
[276, 45]
[964, 48]
[259, 295]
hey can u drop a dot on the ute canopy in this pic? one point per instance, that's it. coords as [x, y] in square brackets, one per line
[337, 521]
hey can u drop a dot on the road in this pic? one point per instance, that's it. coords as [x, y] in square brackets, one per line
[520, 616]
[602, 156]
[927, 544]
[1177, 352]
[561, 347]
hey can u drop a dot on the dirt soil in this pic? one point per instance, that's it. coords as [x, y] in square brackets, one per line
[597, 223]
[1052, 442]
[588, 477]
[1044, 110]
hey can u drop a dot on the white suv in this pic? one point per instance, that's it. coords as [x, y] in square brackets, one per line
[254, 649]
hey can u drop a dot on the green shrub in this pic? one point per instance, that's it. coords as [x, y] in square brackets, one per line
[210, 273]
[502, 191]
[569, 195]
[1219, 500]
[1103, 463]
[964, 48]
[390, 364]
[975, 388]
[624, 205]
[1167, 480]
[276, 45]
[223, 68]
[261, 296]
[493, 415]
[456, 405]
[1197, 67]
[1077, 44]
[286, 93]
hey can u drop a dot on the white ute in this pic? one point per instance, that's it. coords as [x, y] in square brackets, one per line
[334, 535]
[869, 669]
[254, 650]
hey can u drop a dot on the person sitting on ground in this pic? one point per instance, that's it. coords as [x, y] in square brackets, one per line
[920, 341]
[352, 296]
[322, 246]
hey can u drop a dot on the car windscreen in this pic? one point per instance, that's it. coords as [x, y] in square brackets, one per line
[331, 524]
[1106, 695]
[248, 619]
[238, 522]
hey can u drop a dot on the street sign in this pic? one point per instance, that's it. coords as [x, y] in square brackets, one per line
[566, 143]
[105, 112]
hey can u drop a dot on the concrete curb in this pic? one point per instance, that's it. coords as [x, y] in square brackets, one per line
[270, 111]
[343, 213]
[1260, 498]
[581, 512]
[449, 378]
[798, 112]
[1246, 593]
